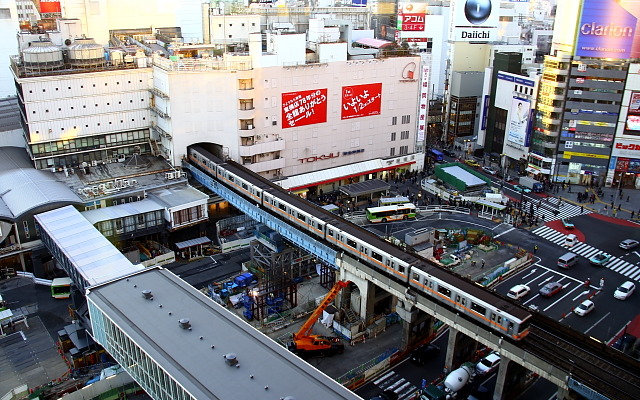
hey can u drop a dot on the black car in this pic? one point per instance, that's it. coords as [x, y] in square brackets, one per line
[448, 152]
[424, 353]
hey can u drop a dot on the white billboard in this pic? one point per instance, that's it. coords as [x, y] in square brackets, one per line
[518, 121]
[475, 20]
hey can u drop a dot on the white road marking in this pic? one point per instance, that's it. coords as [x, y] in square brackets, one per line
[594, 325]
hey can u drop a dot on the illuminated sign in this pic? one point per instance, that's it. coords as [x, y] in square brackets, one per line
[518, 121]
[302, 108]
[322, 157]
[411, 16]
[424, 103]
[475, 20]
[361, 100]
[634, 103]
[50, 6]
[607, 29]
[633, 122]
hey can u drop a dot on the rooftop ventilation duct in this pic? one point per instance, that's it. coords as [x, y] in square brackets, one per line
[147, 294]
[184, 323]
[231, 359]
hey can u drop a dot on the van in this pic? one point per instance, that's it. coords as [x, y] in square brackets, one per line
[570, 240]
[567, 260]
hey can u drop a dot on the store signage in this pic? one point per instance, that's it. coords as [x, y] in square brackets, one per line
[411, 16]
[476, 20]
[317, 158]
[305, 107]
[361, 100]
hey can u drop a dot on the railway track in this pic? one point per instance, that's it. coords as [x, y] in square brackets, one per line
[592, 363]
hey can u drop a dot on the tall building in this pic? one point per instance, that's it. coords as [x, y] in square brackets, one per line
[582, 93]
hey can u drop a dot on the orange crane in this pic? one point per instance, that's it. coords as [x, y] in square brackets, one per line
[304, 344]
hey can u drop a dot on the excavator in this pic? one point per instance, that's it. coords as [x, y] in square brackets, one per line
[306, 345]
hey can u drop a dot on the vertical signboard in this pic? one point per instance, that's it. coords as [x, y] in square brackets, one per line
[411, 16]
[475, 20]
[633, 114]
[518, 121]
[361, 100]
[305, 107]
[423, 103]
[608, 29]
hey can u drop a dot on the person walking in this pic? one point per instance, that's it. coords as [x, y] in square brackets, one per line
[601, 283]
[482, 266]
[535, 249]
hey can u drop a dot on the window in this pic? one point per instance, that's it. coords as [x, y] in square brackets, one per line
[394, 120]
[478, 308]
[404, 150]
[25, 225]
[404, 135]
[352, 243]
[406, 119]
[393, 136]
[392, 151]
[444, 290]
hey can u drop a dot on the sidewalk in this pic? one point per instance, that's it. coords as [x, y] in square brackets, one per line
[611, 203]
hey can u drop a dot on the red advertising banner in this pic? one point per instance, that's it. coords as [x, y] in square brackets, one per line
[304, 108]
[361, 100]
[49, 6]
[412, 22]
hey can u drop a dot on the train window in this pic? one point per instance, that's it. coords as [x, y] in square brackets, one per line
[244, 186]
[376, 255]
[499, 319]
[478, 308]
[352, 243]
[301, 217]
[231, 178]
[431, 284]
[464, 301]
[330, 232]
[388, 263]
[444, 290]
[510, 326]
[401, 269]
[283, 207]
[416, 277]
[457, 298]
[393, 265]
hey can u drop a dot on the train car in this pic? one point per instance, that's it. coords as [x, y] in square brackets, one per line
[305, 219]
[474, 301]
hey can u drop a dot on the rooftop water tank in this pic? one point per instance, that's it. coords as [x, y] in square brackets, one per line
[117, 57]
[42, 55]
[86, 53]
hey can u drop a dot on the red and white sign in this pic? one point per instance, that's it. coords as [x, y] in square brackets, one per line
[626, 148]
[412, 22]
[361, 100]
[634, 103]
[424, 102]
[307, 107]
[49, 6]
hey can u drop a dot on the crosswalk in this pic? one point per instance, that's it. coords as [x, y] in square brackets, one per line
[587, 251]
[552, 208]
[394, 382]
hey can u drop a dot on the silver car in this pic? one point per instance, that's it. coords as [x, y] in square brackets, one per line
[628, 244]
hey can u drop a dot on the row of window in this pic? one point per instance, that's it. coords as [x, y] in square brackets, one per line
[188, 215]
[89, 143]
[406, 119]
[82, 86]
[130, 223]
[404, 135]
[85, 106]
[403, 150]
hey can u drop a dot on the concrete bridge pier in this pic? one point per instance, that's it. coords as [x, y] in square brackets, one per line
[459, 349]
[512, 379]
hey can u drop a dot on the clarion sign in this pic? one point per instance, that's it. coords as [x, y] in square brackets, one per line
[593, 28]
[483, 34]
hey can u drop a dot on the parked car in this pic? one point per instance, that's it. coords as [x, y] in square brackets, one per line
[624, 291]
[566, 222]
[600, 259]
[424, 353]
[490, 170]
[518, 291]
[520, 188]
[584, 308]
[488, 364]
[472, 163]
[550, 289]
[629, 244]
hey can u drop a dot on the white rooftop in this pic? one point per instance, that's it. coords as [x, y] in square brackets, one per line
[468, 178]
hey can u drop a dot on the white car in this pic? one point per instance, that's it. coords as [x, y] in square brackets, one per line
[518, 291]
[489, 170]
[584, 308]
[628, 244]
[624, 291]
[488, 364]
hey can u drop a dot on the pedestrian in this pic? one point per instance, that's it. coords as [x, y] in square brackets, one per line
[627, 199]
[631, 215]
[605, 210]
[601, 283]
[581, 209]
[482, 266]
[535, 249]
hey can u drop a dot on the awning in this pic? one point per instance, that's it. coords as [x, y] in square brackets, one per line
[193, 242]
[491, 204]
[375, 43]
[323, 177]
[532, 170]
[366, 187]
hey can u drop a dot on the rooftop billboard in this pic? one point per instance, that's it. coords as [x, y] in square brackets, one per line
[361, 100]
[608, 29]
[306, 107]
[475, 20]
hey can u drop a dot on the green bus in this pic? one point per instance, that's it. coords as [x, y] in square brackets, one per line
[391, 213]
[61, 288]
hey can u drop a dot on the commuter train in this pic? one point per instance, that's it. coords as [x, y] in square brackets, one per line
[417, 274]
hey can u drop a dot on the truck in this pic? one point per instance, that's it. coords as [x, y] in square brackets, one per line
[306, 345]
[532, 184]
[452, 384]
